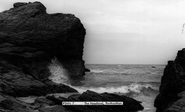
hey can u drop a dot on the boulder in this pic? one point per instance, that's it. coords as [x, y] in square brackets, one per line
[129, 104]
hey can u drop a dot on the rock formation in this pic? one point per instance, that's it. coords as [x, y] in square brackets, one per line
[171, 97]
[29, 40]
[33, 37]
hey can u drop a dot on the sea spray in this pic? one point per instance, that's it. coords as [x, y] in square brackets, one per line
[58, 72]
[59, 75]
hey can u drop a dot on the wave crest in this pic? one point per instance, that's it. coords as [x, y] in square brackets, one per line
[131, 89]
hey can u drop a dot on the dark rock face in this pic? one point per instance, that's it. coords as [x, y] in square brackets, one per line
[87, 70]
[29, 39]
[171, 97]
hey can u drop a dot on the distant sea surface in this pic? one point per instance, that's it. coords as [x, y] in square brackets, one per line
[140, 82]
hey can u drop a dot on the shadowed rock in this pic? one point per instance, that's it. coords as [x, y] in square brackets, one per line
[170, 98]
[29, 39]
[129, 104]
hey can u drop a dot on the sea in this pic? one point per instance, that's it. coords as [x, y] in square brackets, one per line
[140, 82]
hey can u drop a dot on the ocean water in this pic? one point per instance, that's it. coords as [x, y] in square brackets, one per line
[140, 82]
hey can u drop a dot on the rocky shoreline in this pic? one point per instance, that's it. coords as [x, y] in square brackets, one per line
[51, 103]
[171, 97]
[29, 40]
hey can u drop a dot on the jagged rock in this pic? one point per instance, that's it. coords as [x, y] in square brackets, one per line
[57, 101]
[170, 98]
[10, 104]
[18, 4]
[87, 70]
[29, 39]
[16, 84]
[33, 37]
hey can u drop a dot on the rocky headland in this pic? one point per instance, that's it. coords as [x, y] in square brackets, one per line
[172, 89]
[29, 40]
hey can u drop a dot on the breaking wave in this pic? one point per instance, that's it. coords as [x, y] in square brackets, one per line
[60, 75]
[58, 72]
[130, 90]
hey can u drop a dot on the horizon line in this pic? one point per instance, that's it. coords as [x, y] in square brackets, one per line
[121, 64]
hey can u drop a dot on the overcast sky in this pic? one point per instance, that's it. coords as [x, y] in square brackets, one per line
[125, 31]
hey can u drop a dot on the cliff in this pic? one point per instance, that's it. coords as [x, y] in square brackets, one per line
[33, 37]
[29, 39]
[172, 89]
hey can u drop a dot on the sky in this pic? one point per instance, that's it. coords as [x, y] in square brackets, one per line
[124, 31]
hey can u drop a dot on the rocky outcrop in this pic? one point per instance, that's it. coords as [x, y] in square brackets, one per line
[29, 39]
[54, 104]
[171, 97]
[129, 104]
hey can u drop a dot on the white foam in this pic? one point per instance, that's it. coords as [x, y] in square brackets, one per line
[58, 73]
[135, 87]
[123, 89]
[97, 71]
